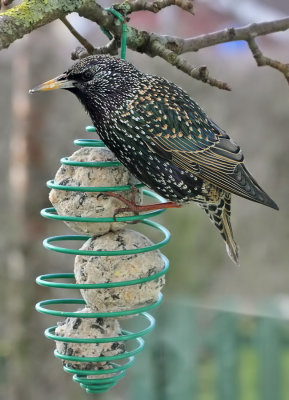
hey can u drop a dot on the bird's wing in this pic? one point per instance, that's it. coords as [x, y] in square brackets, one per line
[179, 131]
[216, 161]
[175, 127]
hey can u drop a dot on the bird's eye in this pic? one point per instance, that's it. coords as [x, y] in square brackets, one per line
[86, 76]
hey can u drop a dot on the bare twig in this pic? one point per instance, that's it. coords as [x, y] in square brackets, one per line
[110, 48]
[127, 7]
[85, 43]
[262, 60]
[180, 45]
[200, 73]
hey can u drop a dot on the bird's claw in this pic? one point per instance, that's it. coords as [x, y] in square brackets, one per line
[122, 210]
[99, 195]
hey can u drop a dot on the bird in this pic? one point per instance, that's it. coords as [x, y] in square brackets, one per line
[163, 137]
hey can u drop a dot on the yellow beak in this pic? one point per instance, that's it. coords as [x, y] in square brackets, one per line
[60, 82]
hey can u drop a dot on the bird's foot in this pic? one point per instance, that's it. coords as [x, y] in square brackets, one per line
[118, 196]
[131, 206]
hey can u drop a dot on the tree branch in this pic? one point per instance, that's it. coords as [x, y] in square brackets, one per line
[200, 73]
[150, 44]
[128, 7]
[110, 48]
[262, 61]
[196, 43]
[85, 43]
[32, 14]
[169, 48]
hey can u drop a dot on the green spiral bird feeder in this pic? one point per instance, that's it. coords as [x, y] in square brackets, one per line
[100, 379]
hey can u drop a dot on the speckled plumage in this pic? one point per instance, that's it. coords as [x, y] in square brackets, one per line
[164, 138]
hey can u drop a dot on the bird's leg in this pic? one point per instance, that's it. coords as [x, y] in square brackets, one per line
[133, 194]
[135, 208]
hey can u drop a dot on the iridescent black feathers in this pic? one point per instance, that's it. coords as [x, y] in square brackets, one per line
[164, 138]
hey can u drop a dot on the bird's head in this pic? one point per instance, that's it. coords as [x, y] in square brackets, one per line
[101, 83]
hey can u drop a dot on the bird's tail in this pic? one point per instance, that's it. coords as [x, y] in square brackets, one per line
[220, 213]
[250, 189]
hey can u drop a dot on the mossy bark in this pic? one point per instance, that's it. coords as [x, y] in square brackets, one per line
[30, 15]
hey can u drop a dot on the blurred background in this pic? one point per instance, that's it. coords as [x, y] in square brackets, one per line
[222, 331]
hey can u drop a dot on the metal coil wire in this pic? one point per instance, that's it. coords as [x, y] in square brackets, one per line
[121, 362]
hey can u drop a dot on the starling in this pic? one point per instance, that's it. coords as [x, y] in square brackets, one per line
[163, 138]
